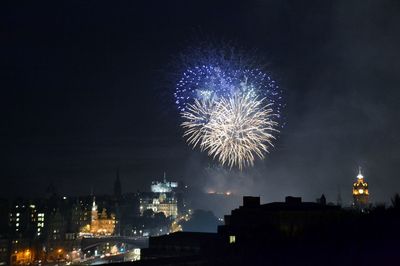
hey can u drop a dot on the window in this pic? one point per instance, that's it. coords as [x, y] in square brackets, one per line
[232, 239]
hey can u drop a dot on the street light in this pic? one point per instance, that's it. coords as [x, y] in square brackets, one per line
[59, 251]
[28, 254]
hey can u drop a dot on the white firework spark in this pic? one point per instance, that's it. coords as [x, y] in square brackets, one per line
[234, 130]
[196, 117]
[240, 129]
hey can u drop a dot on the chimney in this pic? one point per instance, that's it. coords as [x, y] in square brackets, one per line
[251, 202]
[293, 200]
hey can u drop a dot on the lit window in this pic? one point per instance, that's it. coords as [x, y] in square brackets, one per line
[232, 239]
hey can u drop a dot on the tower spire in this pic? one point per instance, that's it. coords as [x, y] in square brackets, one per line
[117, 186]
[360, 192]
[94, 209]
[94, 206]
[359, 176]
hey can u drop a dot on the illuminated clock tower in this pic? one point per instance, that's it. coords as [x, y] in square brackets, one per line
[360, 192]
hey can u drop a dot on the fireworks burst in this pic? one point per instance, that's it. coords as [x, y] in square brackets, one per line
[230, 107]
[235, 130]
[208, 82]
[197, 117]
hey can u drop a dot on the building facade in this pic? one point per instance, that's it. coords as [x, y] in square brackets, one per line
[162, 199]
[100, 224]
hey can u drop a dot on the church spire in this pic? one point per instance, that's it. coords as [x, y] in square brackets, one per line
[94, 206]
[117, 186]
[94, 215]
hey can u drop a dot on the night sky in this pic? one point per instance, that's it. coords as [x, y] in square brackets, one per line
[87, 88]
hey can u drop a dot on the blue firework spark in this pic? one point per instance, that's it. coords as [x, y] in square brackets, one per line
[209, 82]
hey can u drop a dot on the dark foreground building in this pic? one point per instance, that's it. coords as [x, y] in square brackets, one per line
[286, 233]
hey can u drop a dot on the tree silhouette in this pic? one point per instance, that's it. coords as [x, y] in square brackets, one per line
[396, 201]
[201, 221]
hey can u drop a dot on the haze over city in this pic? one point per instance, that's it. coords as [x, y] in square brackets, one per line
[87, 89]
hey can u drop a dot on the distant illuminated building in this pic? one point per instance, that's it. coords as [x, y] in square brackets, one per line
[163, 187]
[161, 199]
[360, 192]
[165, 203]
[101, 224]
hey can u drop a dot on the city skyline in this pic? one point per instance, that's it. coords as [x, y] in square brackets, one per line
[116, 191]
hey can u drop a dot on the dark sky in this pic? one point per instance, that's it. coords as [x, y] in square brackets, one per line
[85, 90]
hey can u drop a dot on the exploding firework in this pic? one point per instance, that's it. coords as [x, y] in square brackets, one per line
[234, 130]
[196, 120]
[230, 107]
[212, 70]
[241, 129]
[208, 82]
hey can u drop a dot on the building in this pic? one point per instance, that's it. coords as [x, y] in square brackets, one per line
[360, 192]
[164, 186]
[251, 230]
[56, 226]
[162, 199]
[4, 251]
[26, 220]
[21, 252]
[165, 203]
[100, 224]
[253, 223]
[292, 232]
